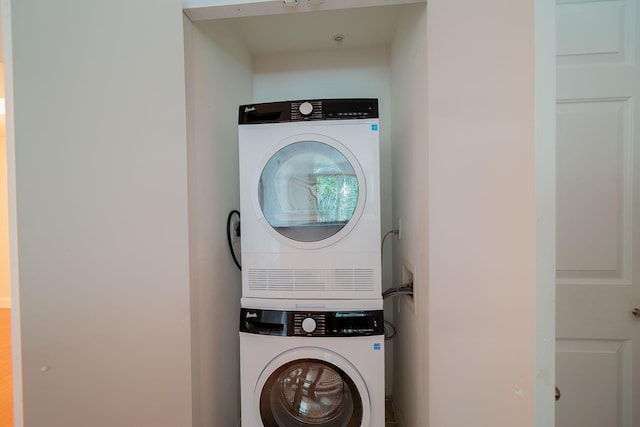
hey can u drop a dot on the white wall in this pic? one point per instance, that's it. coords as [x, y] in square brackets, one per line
[483, 229]
[219, 78]
[410, 156]
[97, 98]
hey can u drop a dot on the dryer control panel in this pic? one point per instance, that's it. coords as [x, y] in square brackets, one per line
[312, 323]
[311, 109]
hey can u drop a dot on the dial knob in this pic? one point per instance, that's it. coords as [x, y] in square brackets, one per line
[305, 108]
[309, 325]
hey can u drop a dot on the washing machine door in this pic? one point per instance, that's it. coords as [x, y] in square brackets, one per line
[311, 191]
[312, 392]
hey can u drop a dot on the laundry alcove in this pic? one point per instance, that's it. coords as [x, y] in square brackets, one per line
[268, 51]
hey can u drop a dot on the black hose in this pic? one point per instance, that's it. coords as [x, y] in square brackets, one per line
[233, 252]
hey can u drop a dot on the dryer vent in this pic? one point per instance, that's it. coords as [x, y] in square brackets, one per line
[317, 280]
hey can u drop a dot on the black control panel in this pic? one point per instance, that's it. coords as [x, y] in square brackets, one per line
[304, 110]
[312, 323]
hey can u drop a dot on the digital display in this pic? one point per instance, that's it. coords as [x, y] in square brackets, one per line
[352, 314]
[357, 323]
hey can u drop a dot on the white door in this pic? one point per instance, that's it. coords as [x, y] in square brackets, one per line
[598, 217]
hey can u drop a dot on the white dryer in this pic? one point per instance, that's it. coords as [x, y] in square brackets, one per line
[310, 199]
[312, 368]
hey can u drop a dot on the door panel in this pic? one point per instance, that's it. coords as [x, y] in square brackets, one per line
[595, 378]
[598, 213]
[594, 201]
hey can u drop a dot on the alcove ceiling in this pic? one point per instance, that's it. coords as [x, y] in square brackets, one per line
[358, 28]
[269, 27]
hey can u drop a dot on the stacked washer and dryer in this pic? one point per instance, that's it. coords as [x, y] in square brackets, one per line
[311, 323]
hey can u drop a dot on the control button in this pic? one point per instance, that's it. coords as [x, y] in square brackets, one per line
[305, 108]
[309, 325]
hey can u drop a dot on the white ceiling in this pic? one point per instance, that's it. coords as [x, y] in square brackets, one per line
[291, 32]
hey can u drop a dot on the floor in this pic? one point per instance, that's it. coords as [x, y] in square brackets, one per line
[6, 396]
[389, 415]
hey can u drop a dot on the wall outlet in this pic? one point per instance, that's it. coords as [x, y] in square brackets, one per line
[407, 275]
[235, 229]
[409, 278]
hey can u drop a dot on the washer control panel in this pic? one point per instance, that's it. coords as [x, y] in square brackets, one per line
[312, 323]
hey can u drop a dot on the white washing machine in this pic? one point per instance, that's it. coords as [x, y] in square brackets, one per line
[303, 368]
[310, 199]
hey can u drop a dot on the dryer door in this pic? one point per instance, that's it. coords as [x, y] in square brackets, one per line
[312, 388]
[311, 191]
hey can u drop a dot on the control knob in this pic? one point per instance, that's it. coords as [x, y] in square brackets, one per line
[305, 108]
[309, 325]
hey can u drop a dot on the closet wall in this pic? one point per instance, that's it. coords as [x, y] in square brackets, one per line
[219, 77]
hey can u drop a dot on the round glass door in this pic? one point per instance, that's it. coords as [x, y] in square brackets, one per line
[310, 392]
[311, 191]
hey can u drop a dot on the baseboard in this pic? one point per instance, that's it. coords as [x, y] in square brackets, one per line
[5, 302]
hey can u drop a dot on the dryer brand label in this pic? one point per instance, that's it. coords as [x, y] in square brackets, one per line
[374, 127]
[249, 109]
[251, 315]
[376, 346]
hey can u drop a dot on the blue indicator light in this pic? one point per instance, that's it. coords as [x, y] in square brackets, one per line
[376, 346]
[374, 127]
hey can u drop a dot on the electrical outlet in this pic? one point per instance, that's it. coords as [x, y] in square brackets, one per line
[407, 275]
[235, 230]
[409, 278]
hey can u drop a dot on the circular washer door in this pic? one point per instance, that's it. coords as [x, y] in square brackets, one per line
[312, 391]
[311, 191]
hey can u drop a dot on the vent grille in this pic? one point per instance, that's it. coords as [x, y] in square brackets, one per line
[278, 280]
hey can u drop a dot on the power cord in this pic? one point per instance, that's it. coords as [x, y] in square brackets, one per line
[389, 336]
[400, 290]
[237, 232]
[396, 232]
[393, 291]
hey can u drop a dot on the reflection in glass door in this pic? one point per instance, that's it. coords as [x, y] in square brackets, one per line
[309, 191]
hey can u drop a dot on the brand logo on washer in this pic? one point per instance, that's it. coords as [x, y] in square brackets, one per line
[249, 109]
[251, 315]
